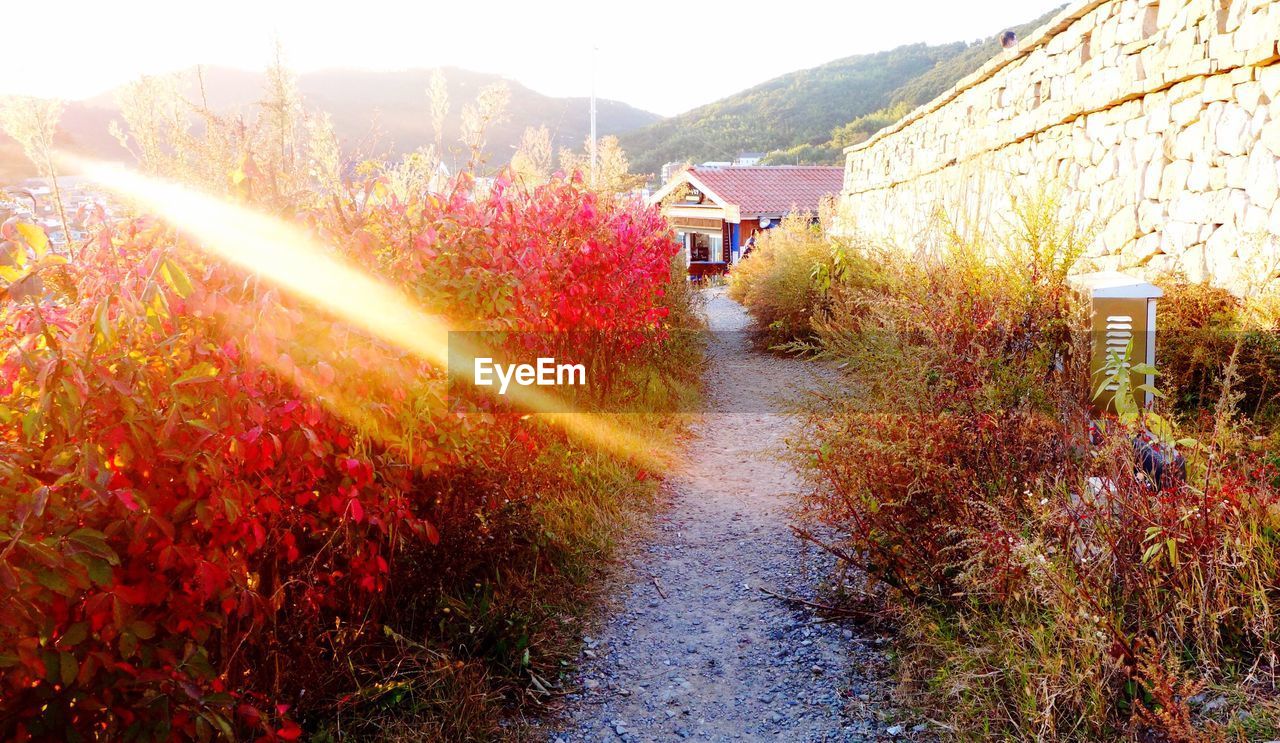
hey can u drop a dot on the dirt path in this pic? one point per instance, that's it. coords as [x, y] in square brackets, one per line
[716, 658]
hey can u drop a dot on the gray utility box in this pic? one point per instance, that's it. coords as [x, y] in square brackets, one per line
[1122, 309]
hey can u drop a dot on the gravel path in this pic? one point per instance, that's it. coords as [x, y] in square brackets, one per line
[715, 658]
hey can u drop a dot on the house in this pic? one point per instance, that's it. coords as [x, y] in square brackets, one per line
[716, 209]
[748, 158]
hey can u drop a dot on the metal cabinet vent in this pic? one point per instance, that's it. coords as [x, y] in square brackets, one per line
[1122, 311]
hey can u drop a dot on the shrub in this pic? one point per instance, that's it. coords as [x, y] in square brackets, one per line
[786, 280]
[1199, 328]
[963, 376]
[215, 499]
[1046, 587]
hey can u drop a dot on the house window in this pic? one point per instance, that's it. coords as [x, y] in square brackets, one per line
[706, 248]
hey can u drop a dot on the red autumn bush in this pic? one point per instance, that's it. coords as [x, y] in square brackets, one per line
[580, 274]
[205, 485]
[966, 398]
[1178, 566]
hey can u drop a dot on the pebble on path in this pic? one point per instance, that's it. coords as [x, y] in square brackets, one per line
[718, 659]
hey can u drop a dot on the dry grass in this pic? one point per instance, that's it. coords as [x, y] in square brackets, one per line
[1044, 588]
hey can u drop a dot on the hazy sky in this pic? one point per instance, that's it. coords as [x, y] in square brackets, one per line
[663, 56]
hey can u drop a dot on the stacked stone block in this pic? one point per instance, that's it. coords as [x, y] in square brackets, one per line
[1156, 121]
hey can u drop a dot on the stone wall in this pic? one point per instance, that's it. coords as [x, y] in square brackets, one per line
[1157, 121]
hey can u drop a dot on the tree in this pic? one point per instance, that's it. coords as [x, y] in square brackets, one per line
[324, 155]
[156, 118]
[281, 154]
[33, 122]
[489, 108]
[438, 94]
[284, 121]
[613, 171]
[416, 173]
[533, 159]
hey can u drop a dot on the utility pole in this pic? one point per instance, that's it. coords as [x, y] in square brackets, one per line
[594, 51]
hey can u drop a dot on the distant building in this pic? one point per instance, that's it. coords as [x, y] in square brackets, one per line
[670, 169]
[748, 158]
[84, 206]
[717, 209]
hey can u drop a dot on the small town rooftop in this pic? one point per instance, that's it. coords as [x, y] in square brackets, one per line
[756, 190]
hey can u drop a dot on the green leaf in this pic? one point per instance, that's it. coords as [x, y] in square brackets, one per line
[52, 666]
[11, 274]
[198, 665]
[54, 581]
[144, 630]
[68, 667]
[95, 543]
[1159, 426]
[201, 372]
[176, 278]
[219, 722]
[203, 425]
[74, 635]
[128, 644]
[204, 731]
[41, 552]
[35, 237]
[100, 571]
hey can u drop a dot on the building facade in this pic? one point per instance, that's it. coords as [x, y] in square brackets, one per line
[1155, 125]
[717, 210]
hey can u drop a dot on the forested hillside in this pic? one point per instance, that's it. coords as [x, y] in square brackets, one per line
[810, 115]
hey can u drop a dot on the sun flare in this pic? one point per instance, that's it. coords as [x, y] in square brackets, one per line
[294, 260]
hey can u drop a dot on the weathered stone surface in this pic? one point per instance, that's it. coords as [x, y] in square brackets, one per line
[1144, 249]
[1198, 178]
[1232, 130]
[1260, 176]
[1249, 95]
[1174, 180]
[1151, 215]
[1190, 207]
[1237, 171]
[1160, 128]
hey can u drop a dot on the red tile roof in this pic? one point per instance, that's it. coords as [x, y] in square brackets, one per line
[777, 189]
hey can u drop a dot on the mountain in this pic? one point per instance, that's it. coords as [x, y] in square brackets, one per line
[797, 117]
[374, 112]
[400, 100]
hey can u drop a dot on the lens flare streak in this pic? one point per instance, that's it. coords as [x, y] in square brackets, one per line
[294, 260]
